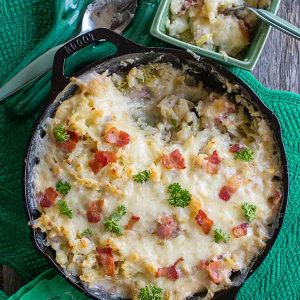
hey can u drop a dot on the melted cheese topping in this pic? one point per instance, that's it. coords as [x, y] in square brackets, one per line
[211, 25]
[162, 109]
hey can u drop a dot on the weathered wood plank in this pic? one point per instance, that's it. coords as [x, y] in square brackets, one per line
[279, 65]
[11, 281]
[1, 278]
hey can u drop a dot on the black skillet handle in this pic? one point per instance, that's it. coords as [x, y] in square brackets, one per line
[124, 46]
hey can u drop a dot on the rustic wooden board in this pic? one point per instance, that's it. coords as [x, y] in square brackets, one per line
[279, 65]
[10, 282]
[278, 68]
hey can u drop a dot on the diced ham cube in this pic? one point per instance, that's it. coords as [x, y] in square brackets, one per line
[172, 272]
[167, 227]
[215, 269]
[204, 221]
[94, 210]
[69, 145]
[117, 137]
[47, 198]
[131, 222]
[240, 230]
[106, 260]
[102, 159]
[174, 160]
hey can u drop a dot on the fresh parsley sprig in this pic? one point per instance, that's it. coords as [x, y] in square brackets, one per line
[60, 134]
[249, 211]
[178, 196]
[110, 223]
[221, 236]
[142, 177]
[64, 209]
[173, 122]
[87, 232]
[151, 292]
[63, 187]
[245, 154]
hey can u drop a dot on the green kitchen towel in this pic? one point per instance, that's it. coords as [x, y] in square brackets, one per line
[27, 23]
[48, 286]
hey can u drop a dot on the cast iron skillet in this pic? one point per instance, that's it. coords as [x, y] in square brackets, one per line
[205, 70]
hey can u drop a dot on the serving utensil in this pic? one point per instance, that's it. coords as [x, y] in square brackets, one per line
[272, 20]
[111, 14]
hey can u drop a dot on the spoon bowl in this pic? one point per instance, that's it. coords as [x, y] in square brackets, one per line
[114, 15]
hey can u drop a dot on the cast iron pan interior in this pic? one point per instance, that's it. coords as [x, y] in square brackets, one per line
[202, 69]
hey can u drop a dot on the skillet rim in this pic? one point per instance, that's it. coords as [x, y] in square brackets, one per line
[231, 292]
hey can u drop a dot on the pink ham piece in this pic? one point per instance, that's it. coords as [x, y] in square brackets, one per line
[117, 137]
[230, 188]
[172, 272]
[167, 227]
[173, 161]
[131, 222]
[236, 148]
[102, 159]
[106, 260]
[215, 269]
[213, 162]
[240, 230]
[69, 145]
[226, 192]
[94, 210]
[214, 158]
[47, 198]
[204, 222]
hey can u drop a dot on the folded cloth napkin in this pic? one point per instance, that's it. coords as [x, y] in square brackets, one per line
[278, 276]
[35, 18]
[47, 286]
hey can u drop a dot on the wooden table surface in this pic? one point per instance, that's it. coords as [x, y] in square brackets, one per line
[279, 65]
[278, 68]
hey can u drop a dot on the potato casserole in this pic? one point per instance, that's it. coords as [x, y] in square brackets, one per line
[214, 24]
[152, 186]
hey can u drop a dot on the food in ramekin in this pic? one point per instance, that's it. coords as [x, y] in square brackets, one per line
[213, 24]
[152, 186]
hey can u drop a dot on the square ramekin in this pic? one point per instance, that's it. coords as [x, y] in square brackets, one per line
[158, 29]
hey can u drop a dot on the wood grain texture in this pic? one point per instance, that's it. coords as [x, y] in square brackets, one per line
[10, 281]
[278, 68]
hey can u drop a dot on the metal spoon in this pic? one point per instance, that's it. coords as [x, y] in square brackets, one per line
[272, 20]
[112, 14]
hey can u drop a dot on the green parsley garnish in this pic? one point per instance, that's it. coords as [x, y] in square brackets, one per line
[64, 209]
[244, 154]
[173, 122]
[60, 133]
[221, 236]
[63, 187]
[178, 196]
[110, 223]
[249, 211]
[142, 177]
[87, 232]
[150, 292]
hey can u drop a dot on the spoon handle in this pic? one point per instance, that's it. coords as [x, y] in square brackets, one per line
[277, 22]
